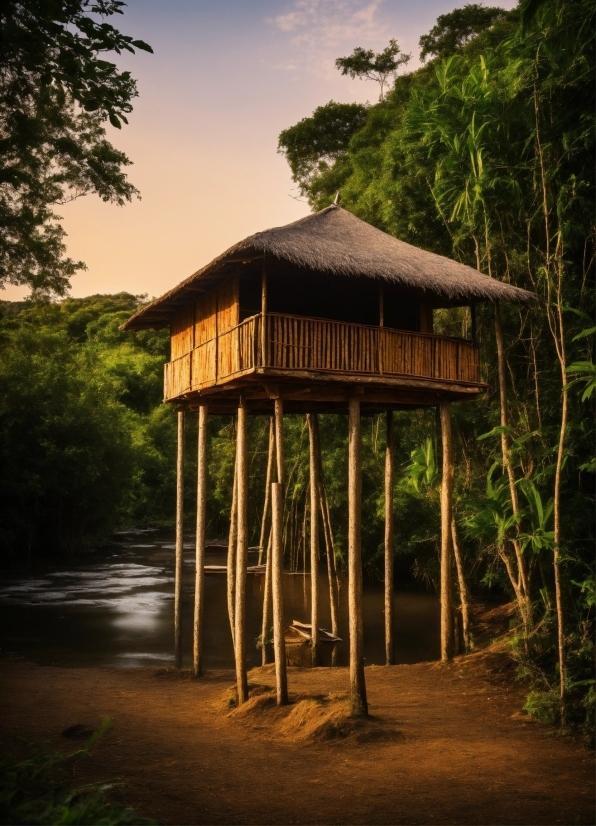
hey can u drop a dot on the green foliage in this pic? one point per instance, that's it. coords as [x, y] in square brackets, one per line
[456, 28]
[364, 63]
[84, 443]
[38, 790]
[314, 144]
[55, 95]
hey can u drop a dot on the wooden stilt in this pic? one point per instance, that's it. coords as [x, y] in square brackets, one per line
[241, 555]
[266, 605]
[179, 542]
[314, 451]
[446, 516]
[268, 480]
[330, 553]
[277, 588]
[389, 642]
[278, 415]
[357, 684]
[197, 660]
[232, 542]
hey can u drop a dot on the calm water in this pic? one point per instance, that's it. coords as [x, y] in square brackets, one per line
[116, 609]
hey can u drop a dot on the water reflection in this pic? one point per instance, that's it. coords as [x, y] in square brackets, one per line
[116, 609]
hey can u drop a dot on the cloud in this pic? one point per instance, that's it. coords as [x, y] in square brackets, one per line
[321, 30]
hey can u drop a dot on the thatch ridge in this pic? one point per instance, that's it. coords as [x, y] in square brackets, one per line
[335, 241]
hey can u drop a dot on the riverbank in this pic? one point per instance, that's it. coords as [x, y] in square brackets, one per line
[447, 745]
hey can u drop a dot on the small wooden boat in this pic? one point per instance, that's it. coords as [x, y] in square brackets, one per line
[305, 630]
[222, 569]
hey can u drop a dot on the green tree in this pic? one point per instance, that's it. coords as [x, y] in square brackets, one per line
[314, 144]
[56, 93]
[458, 27]
[381, 67]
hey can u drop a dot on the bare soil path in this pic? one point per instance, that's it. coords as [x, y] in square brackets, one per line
[452, 747]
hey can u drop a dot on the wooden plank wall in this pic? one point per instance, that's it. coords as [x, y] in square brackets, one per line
[182, 332]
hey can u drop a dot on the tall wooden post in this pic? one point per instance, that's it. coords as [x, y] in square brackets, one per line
[357, 683]
[231, 562]
[278, 415]
[200, 542]
[281, 682]
[446, 517]
[266, 510]
[179, 542]
[313, 441]
[389, 642]
[241, 554]
[268, 480]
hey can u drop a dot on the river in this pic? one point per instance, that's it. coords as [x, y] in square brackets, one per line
[115, 608]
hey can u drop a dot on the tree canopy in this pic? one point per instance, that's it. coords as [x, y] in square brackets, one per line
[381, 67]
[57, 91]
[458, 27]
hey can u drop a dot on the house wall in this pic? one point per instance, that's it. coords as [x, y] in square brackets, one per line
[199, 321]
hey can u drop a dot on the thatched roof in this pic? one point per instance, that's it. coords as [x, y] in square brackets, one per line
[335, 241]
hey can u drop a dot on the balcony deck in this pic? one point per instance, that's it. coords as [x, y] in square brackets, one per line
[325, 353]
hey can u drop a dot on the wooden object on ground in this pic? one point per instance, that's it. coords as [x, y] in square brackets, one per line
[241, 554]
[179, 542]
[446, 517]
[231, 562]
[358, 700]
[315, 461]
[389, 641]
[197, 659]
[277, 590]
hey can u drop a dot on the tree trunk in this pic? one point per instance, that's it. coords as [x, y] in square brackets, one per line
[179, 542]
[200, 542]
[359, 704]
[389, 642]
[446, 516]
[277, 499]
[241, 555]
[268, 479]
[463, 588]
[232, 542]
[314, 454]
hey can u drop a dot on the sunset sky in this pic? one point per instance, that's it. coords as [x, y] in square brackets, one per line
[226, 77]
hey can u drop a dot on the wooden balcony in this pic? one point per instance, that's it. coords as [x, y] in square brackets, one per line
[314, 348]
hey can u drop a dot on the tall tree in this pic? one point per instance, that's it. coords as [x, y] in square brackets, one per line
[56, 93]
[381, 67]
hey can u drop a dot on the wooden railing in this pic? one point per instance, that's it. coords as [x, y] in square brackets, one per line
[298, 344]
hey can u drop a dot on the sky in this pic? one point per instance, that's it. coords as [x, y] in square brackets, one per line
[225, 78]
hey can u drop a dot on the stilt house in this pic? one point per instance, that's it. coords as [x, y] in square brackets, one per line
[315, 311]
[325, 314]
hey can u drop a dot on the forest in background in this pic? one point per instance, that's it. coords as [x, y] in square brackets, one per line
[485, 154]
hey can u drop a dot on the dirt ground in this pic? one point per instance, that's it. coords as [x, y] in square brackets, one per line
[447, 744]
